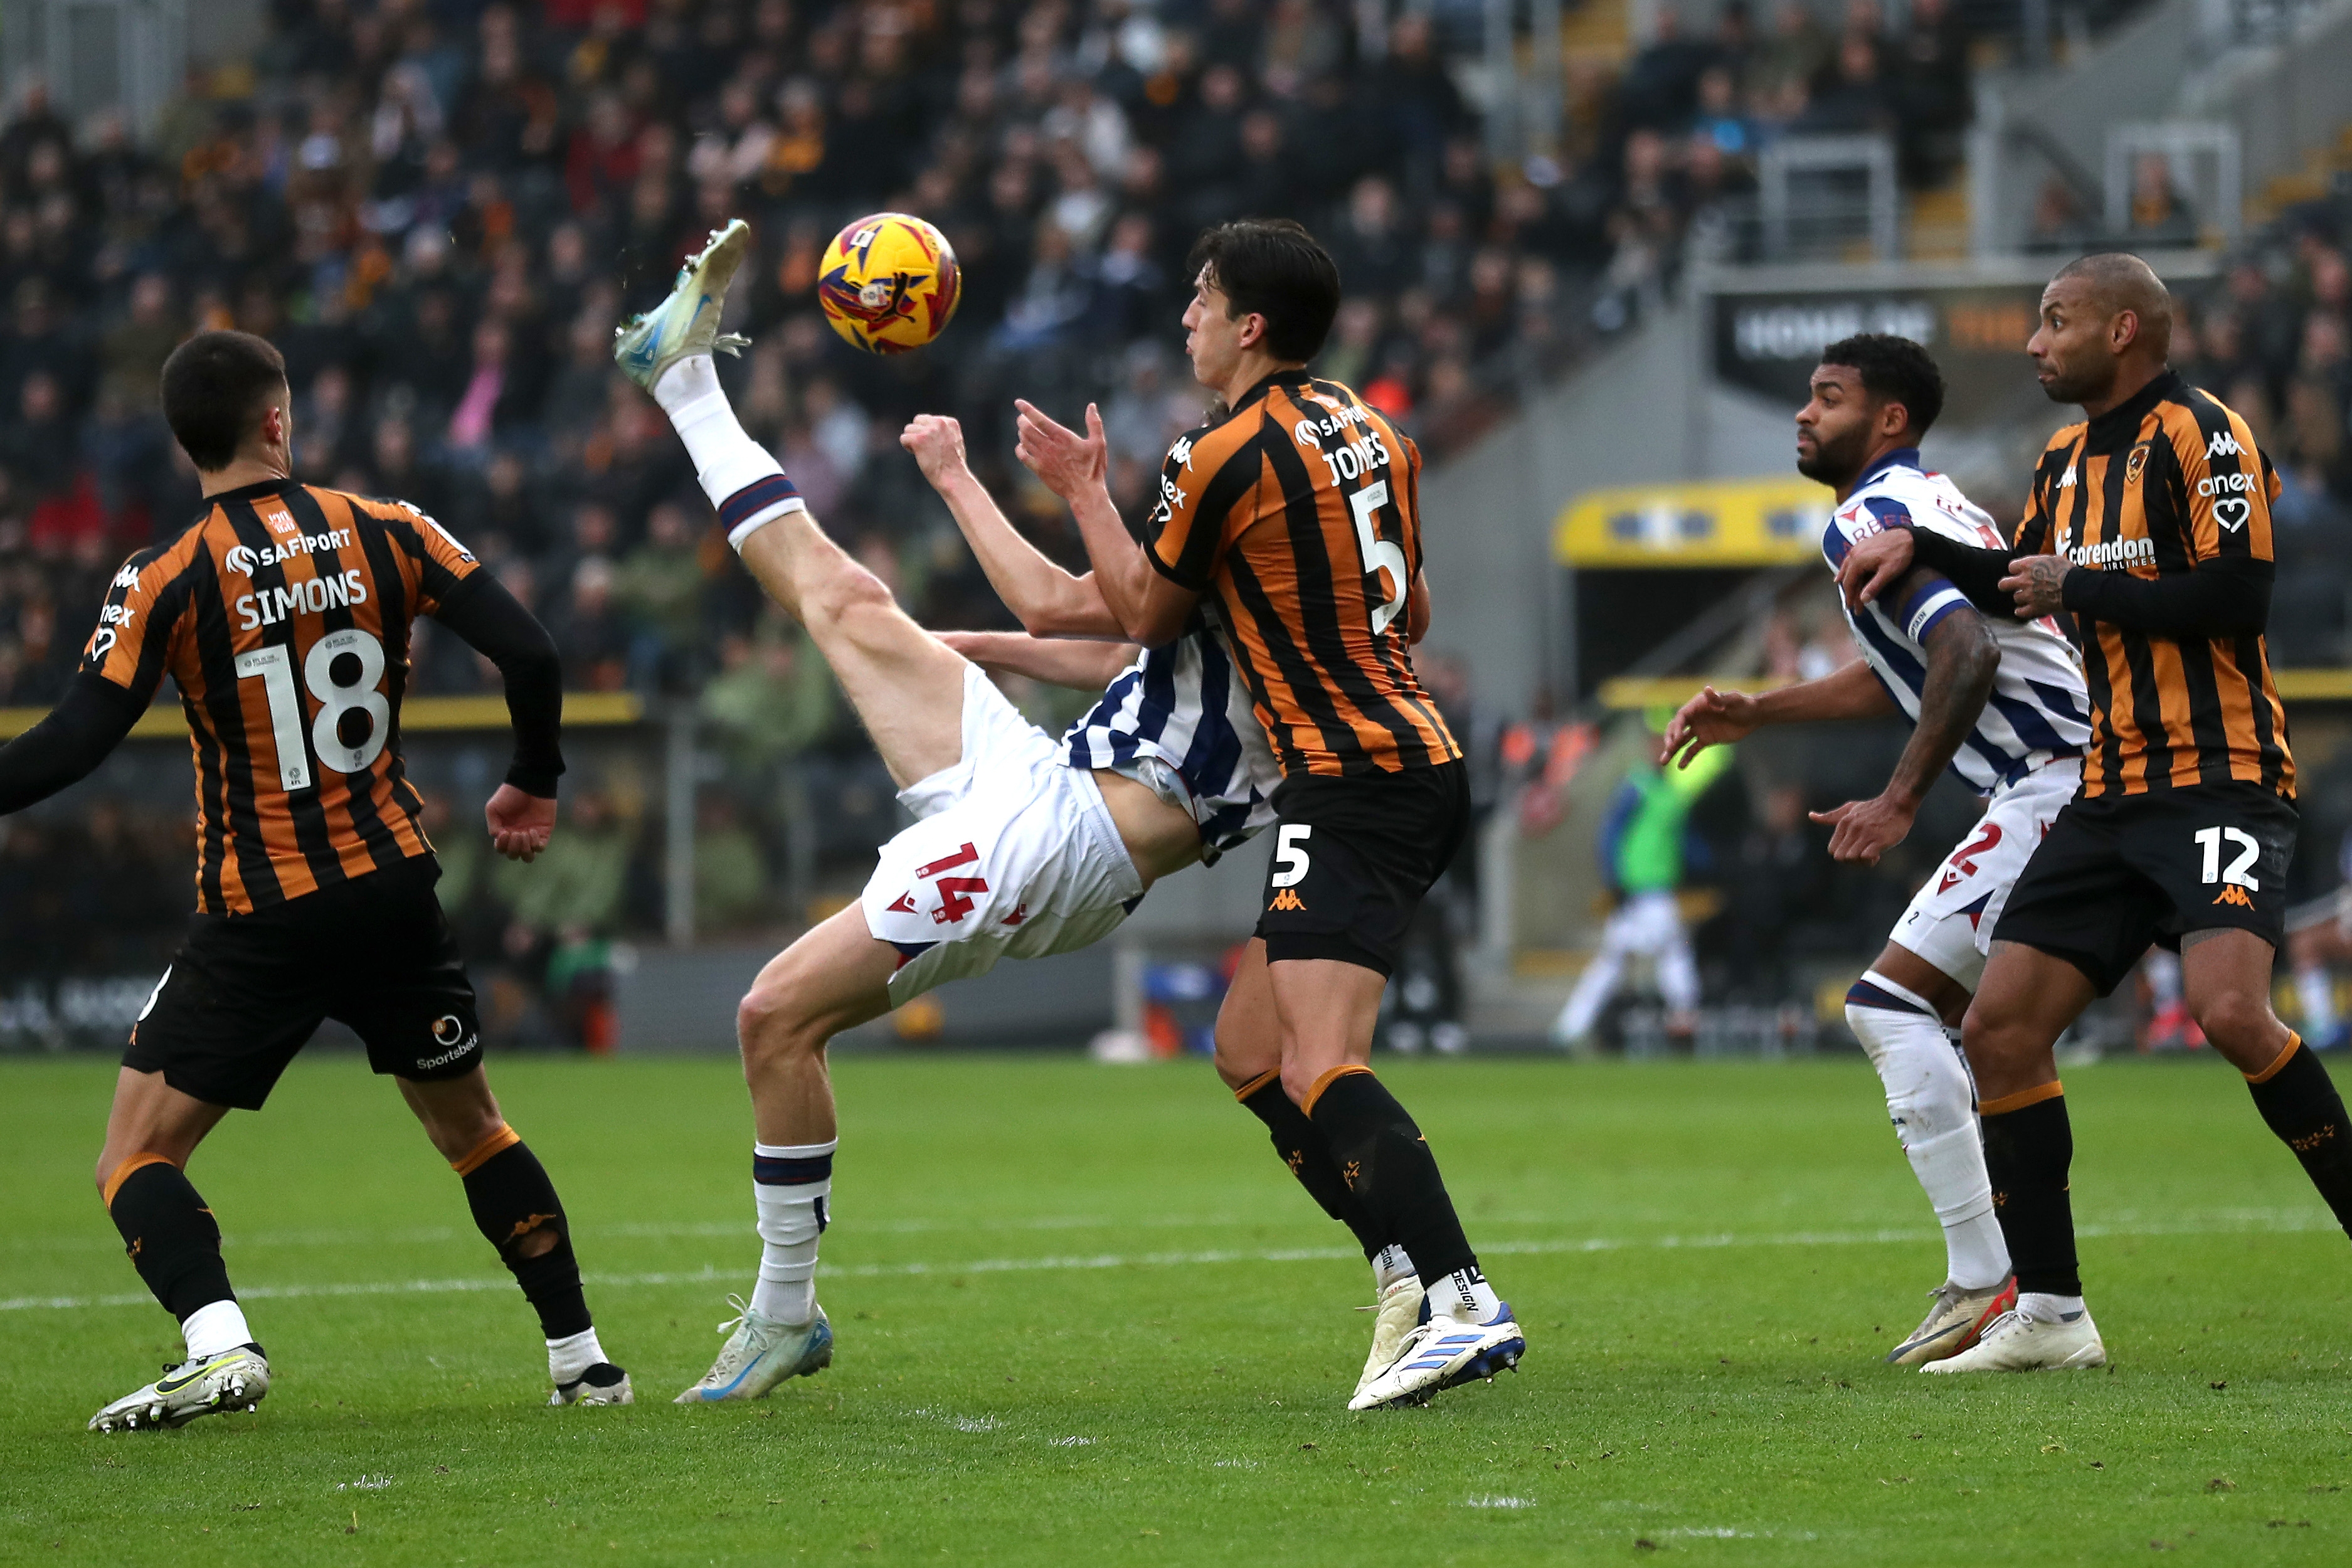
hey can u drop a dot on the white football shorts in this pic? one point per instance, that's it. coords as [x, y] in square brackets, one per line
[1015, 856]
[1950, 920]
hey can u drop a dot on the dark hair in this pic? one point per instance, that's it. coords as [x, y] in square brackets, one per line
[1273, 268]
[215, 388]
[1894, 370]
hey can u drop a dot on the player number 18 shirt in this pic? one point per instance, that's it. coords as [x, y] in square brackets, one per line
[284, 616]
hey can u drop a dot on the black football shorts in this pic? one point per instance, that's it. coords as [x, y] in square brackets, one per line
[244, 992]
[1352, 859]
[2118, 872]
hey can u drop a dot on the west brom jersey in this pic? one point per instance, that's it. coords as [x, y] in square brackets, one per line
[2039, 709]
[1178, 710]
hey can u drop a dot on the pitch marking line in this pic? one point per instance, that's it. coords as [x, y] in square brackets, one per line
[2235, 1222]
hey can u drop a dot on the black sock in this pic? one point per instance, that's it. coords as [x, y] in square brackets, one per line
[172, 1237]
[1303, 1148]
[2299, 1103]
[1387, 1165]
[513, 1201]
[2027, 1152]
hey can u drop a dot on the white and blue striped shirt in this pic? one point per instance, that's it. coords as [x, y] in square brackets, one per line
[1177, 721]
[2039, 709]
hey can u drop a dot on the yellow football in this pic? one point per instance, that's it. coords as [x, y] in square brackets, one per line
[890, 283]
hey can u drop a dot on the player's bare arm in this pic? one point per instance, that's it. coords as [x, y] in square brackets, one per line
[1080, 664]
[1148, 608]
[1049, 601]
[1718, 717]
[1962, 659]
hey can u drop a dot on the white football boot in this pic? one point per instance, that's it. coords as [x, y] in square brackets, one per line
[1441, 1353]
[1956, 1319]
[602, 1384]
[2019, 1342]
[760, 1354]
[1399, 1313]
[687, 321]
[233, 1380]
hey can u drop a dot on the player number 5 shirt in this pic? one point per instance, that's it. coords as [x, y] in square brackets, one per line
[1298, 514]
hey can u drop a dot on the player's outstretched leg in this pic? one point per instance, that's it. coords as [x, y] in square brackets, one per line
[1249, 1058]
[516, 1209]
[173, 1242]
[1894, 1011]
[834, 978]
[2025, 1002]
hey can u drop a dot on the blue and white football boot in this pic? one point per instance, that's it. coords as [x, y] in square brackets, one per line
[760, 1354]
[1441, 1353]
[687, 321]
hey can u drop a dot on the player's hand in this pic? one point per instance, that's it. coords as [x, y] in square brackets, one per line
[2037, 583]
[1866, 829]
[1874, 565]
[521, 825]
[937, 443]
[1710, 718]
[1069, 464]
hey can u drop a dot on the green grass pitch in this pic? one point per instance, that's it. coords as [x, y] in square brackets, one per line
[1085, 1318]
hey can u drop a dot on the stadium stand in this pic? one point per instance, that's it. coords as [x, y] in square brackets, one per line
[439, 208]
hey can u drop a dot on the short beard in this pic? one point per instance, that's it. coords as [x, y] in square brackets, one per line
[2076, 388]
[1835, 465]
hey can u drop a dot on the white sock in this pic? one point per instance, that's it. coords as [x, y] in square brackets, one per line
[1390, 1266]
[2047, 1308]
[790, 1184]
[731, 465]
[569, 1358]
[1933, 1107]
[1465, 1297]
[215, 1327]
[2314, 988]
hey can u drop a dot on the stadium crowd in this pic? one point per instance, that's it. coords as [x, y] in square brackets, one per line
[439, 209]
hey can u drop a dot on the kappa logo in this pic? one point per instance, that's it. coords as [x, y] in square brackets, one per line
[2067, 480]
[127, 578]
[2224, 444]
[1288, 899]
[1180, 453]
[2234, 895]
[2232, 511]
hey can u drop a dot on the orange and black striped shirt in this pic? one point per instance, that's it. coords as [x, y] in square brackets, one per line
[2166, 481]
[1299, 513]
[284, 616]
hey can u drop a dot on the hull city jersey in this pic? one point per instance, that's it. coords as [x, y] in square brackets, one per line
[1179, 721]
[283, 614]
[2162, 483]
[1298, 513]
[2039, 709]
